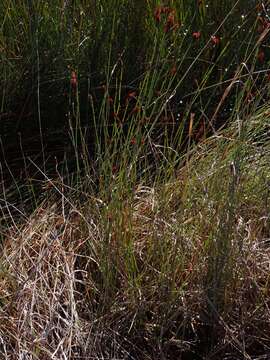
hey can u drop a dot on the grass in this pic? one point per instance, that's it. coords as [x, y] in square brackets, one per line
[151, 269]
[150, 237]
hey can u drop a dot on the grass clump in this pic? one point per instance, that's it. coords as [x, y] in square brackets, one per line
[176, 268]
[148, 237]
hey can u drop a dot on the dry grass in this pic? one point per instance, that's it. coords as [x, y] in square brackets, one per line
[176, 269]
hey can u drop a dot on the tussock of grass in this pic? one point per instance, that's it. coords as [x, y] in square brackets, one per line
[175, 268]
[156, 244]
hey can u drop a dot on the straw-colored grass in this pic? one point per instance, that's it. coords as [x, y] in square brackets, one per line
[172, 269]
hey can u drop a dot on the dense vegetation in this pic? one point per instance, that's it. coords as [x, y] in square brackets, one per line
[134, 169]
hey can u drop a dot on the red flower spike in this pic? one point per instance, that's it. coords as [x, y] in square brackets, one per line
[114, 169]
[173, 70]
[166, 10]
[130, 95]
[133, 141]
[196, 35]
[73, 80]
[215, 39]
[171, 18]
[170, 21]
[261, 56]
